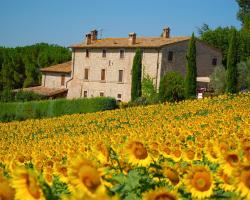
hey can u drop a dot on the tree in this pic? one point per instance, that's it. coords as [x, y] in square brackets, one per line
[218, 38]
[218, 80]
[231, 78]
[136, 75]
[244, 13]
[191, 74]
[171, 87]
[22, 64]
[203, 29]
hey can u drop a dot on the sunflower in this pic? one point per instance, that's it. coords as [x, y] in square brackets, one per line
[102, 153]
[159, 194]
[6, 191]
[84, 176]
[199, 182]
[243, 181]
[230, 162]
[48, 174]
[171, 174]
[177, 154]
[138, 154]
[26, 184]
[227, 182]
[189, 155]
[211, 154]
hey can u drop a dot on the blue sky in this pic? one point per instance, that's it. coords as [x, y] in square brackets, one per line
[64, 22]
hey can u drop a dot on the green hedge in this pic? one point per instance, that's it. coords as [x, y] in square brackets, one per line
[52, 108]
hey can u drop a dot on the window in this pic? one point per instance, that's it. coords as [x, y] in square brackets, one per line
[62, 80]
[103, 75]
[170, 55]
[214, 61]
[119, 96]
[104, 52]
[101, 94]
[85, 94]
[120, 77]
[122, 52]
[87, 53]
[86, 74]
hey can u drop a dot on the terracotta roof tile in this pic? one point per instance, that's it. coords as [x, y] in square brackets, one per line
[143, 42]
[60, 68]
[44, 91]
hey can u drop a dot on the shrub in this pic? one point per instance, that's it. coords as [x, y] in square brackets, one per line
[148, 88]
[6, 95]
[218, 80]
[248, 66]
[27, 96]
[242, 76]
[171, 87]
[53, 108]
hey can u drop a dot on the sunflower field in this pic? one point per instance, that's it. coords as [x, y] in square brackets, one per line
[194, 149]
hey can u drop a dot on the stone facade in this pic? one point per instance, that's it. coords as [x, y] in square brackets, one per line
[97, 63]
[112, 64]
[55, 80]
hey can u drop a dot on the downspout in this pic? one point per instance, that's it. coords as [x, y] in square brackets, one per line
[157, 69]
[73, 65]
[44, 79]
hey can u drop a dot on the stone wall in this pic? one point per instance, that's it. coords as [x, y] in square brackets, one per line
[204, 56]
[155, 63]
[112, 64]
[53, 80]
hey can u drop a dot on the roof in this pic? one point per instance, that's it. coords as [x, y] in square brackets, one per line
[141, 42]
[59, 68]
[44, 91]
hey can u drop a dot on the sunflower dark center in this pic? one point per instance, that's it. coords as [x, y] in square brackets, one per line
[140, 153]
[246, 179]
[32, 187]
[202, 181]
[164, 196]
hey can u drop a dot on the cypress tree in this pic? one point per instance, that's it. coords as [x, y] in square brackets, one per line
[136, 75]
[191, 74]
[231, 78]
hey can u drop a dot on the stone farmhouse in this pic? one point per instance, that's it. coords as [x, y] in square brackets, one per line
[102, 67]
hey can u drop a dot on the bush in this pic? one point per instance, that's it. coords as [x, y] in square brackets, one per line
[27, 96]
[242, 76]
[248, 78]
[53, 108]
[218, 80]
[171, 87]
[6, 95]
[148, 88]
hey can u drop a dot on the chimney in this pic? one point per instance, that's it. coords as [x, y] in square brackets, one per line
[132, 38]
[166, 32]
[94, 35]
[88, 39]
